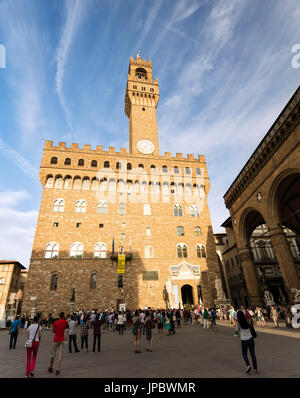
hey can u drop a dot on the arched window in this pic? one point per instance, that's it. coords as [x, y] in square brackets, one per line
[180, 231]
[121, 185]
[148, 231]
[152, 167]
[144, 187]
[149, 252]
[52, 250]
[198, 171]
[59, 205]
[137, 187]
[141, 73]
[164, 169]
[129, 166]
[201, 252]
[76, 250]
[129, 186]
[187, 170]
[67, 162]
[196, 189]
[197, 231]
[53, 160]
[53, 283]
[141, 166]
[106, 164]
[180, 189]
[177, 210]
[102, 207]
[262, 249]
[157, 188]
[176, 170]
[100, 250]
[68, 182]
[86, 184]
[77, 183]
[122, 208]
[194, 211]
[94, 163]
[188, 189]
[118, 165]
[49, 182]
[80, 206]
[58, 184]
[103, 184]
[95, 184]
[182, 250]
[80, 162]
[93, 281]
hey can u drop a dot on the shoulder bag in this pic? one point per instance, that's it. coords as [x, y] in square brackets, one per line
[28, 343]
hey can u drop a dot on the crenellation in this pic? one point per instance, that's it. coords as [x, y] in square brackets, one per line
[111, 149]
[86, 147]
[61, 145]
[48, 144]
[74, 146]
[190, 156]
[99, 148]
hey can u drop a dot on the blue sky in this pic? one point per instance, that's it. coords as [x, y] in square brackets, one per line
[224, 69]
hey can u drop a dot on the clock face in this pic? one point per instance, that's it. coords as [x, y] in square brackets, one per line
[145, 146]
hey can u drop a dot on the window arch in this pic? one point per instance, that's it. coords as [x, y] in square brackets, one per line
[102, 207]
[103, 184]
[59, 205]
[152, 167]
[188, 189]
[187, 170]
[86, 184]
[95, 184]
[201, 252]
[100, 250]
[68, 182]
[121, 185]
[177, 210]
[194, 211]
[80, 162]
[49, 182]
[54, 282]
[180, 189]
[149, 252]
[176, 169]
[182, 250]
[129, 166]
[80, 206]
[52, 250]
[58, 183]
[144, 187]
[93, 281]
[53, 160]
[67, 162]
[198, 171]
[94, 163]
[148, 231]
[77, 183]
[141, 166]
[118, 165]
[106, 164]
[180, 231]
[129, 186]
[76, 250]
[164, 169]
[197, 231]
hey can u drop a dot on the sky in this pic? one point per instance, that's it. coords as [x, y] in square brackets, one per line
[224, 68]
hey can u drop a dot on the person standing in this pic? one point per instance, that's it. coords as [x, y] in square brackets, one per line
[59, 328]
[84, 334]
[72, 334]
[274, 315]
[14, 331]
[34, 333]
[136, 331]
[205, 319]
[121, 321]
[247, 341]
[213, 316]
[97, 332]
[149, 325]
[23, 320]
[160, 323]
[167, 324]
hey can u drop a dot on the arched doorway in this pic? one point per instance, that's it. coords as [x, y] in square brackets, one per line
[187, 294]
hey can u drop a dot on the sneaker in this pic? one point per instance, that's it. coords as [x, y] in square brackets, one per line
[31, 374]
[50, 370]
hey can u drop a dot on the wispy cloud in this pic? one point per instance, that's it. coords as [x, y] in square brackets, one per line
[22, 163]
[75, 12]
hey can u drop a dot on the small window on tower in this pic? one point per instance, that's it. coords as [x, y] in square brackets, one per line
[135, 87]
[144, 109]
[152, 90]
[78, 225]
[55, 224]
[144, 88]
[101, 225]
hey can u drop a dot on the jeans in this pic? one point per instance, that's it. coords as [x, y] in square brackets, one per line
[72, 338]
[121, 329]
[13, 339]
[245, 345]
[97, 337]
[84, 339]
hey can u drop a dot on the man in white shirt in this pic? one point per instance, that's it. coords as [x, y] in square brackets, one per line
[72, 334]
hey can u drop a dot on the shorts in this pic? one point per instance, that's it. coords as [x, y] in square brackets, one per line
[58, 347]
[159, 326]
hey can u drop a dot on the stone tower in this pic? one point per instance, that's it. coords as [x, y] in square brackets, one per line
[141, 99]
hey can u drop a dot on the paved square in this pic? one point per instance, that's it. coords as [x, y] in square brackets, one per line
[191, 352]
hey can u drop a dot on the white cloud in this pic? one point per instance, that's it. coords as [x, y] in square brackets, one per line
[17, 227]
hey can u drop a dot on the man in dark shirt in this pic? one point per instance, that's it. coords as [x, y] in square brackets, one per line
[97, 332]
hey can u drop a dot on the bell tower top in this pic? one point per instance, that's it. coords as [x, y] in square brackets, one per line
[141, 99]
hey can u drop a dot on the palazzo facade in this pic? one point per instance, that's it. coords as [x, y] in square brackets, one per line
[97, 204]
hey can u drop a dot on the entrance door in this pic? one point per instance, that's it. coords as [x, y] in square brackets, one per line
[187, 294]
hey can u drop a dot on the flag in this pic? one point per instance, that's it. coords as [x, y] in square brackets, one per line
[113, 245]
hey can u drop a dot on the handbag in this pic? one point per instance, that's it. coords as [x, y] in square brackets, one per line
[28, 343]
[253, 332]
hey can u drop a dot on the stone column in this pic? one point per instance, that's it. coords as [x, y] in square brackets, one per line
[285, 260]
[250, 277]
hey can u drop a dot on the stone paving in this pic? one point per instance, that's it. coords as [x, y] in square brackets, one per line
[191, 352]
